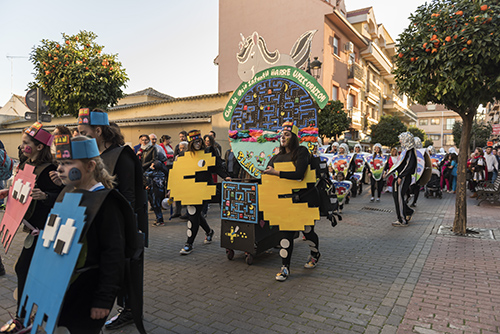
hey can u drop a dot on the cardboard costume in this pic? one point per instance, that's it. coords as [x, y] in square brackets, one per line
[342, 189]
[19, 200]
[98, 222]
[377, 165]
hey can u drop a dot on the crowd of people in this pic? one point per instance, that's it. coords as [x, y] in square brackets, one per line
[109, 173]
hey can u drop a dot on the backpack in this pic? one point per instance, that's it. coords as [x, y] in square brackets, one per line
[6, 165]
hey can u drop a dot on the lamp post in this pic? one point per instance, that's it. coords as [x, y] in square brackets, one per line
[314, 68]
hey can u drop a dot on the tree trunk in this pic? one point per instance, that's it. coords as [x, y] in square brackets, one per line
[460, 222]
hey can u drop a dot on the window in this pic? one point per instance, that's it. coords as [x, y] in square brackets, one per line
[434, 121]
[435, 138]
[336, 43]
[423, 122]
[335, 93]
[448, 140]
[350, 101]
[412, 123]
[449, 124]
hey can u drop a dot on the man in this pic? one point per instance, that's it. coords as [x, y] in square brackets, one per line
[403, 171]
[162, 156]
[216, 144]
[491, 164]
[182, 137]
[334, 148]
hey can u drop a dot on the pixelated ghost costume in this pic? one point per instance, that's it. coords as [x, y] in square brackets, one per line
[38, 211]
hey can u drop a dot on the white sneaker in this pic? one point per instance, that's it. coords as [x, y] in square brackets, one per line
[283, 274]
[378, 199]
[372, 199]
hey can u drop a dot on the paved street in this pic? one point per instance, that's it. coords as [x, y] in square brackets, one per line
[371, 278]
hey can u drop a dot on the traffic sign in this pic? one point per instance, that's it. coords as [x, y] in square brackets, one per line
[33, 98]
[47, 118]
[30, 116]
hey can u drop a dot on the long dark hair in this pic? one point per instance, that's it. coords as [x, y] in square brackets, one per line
[44, 156]
[293, 146]
[110, 133]
[191, 144]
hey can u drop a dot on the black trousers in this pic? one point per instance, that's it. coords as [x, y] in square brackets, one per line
[21, 268]
[286, 244]
[196, 220]
[399, 190]
[377, 186]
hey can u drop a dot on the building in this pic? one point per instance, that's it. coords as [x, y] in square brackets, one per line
[144, 112]
[492, 116]
[437, 122]
[356, 52]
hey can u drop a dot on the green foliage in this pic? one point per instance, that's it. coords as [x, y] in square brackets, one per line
[480, 134]
[333, 120]
[76, 74]
[416, 132]
[428, 142]
[450, 54]
[387, 130]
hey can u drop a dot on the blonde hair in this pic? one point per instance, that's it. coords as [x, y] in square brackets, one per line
[101, 174]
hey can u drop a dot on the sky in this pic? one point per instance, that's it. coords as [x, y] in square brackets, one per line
[169, 45]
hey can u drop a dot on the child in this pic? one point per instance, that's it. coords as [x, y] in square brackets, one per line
[92, 292]
[342, 189]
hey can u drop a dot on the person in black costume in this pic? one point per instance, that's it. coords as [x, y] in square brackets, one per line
[290, 150]
[123, 164]
[415, 188]
[35, 146]
[196, 218]
[402, 178]
[99, 271]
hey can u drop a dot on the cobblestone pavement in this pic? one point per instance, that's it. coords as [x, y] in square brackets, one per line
[372, 278]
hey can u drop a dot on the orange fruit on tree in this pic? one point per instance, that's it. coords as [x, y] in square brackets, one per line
[469, 42]
[448, 38]
[484, 7]
[459, 13]
[401, 55]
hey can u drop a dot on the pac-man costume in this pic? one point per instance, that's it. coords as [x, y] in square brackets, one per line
[301, 159]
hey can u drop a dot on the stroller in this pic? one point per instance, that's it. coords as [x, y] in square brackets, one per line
[433, 187]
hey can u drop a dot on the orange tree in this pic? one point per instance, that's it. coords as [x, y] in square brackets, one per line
[333, 120]
[450, 54]
[75, 73]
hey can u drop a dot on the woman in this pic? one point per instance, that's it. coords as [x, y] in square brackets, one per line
[121, 162]
[377, 185]
[35, 146]
[290, 150]
[454, 167]
[92, 292]
[169, 151]
[392, 160]
[478, 169]
[196, 219]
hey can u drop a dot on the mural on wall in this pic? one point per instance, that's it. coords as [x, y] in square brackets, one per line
[254, 56]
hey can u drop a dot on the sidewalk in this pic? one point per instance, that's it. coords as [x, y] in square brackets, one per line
[372, 278]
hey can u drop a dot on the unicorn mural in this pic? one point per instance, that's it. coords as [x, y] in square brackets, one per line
[255, 57]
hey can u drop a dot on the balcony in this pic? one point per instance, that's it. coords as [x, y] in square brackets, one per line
[373, 93]
[355, 75]
[356, 119]
[395, 105]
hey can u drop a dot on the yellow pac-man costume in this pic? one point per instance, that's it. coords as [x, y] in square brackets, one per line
[283, 212]
[182, 178]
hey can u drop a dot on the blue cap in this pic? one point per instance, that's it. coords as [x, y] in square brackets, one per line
[87, 117]
[70, 149]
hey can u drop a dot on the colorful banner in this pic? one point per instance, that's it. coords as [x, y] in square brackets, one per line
[298, 76]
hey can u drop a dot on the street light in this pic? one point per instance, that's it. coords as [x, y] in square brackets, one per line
[314, 68]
